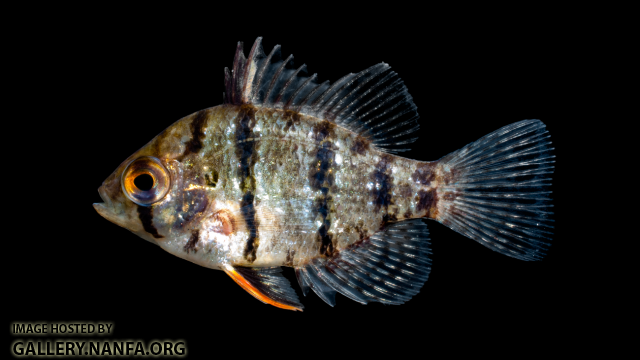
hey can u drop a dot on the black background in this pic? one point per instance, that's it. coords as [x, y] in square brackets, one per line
[112, 84]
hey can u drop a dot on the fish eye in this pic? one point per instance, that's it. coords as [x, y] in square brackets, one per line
[145, 181]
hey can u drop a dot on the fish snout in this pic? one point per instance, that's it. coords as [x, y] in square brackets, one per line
[103, 195]
[105, 209]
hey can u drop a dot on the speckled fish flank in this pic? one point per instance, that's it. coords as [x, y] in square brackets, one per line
[293, 172]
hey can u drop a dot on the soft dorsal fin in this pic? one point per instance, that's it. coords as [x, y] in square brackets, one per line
[267, 285]
[390, 267]
[373, 103]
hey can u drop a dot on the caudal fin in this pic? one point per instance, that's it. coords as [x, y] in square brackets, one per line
[499, 195]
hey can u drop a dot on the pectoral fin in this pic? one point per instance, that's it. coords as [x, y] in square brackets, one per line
[267, 285]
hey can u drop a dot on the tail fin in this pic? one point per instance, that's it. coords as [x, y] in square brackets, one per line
[500, 194]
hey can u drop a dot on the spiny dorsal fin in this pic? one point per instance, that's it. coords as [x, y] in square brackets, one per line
[267, 285]
[390, 267]
[374, 103]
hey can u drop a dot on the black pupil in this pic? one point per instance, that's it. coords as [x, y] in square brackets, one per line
[143, 182]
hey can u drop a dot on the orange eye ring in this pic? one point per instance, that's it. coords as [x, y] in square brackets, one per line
[151, 166]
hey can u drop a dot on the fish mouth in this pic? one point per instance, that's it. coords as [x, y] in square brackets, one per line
[103, 196]
[111, 215]
[105, 209]
[116, 212]
[108, 213]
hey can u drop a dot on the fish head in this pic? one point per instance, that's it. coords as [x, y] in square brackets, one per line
[166, 194]
[138, 188]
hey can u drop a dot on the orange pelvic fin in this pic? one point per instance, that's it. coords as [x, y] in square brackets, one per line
[266, 284]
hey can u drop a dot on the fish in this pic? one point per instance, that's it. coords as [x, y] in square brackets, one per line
[292, 172]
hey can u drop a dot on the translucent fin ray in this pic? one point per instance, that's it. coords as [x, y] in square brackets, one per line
[501, 196]
[390, 267]
[373, 103]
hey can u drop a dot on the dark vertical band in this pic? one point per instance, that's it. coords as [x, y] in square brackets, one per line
[247, 158]
[322, 178]
[145, 213]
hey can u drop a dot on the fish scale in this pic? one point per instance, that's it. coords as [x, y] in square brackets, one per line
[285, 159]
[293, 172]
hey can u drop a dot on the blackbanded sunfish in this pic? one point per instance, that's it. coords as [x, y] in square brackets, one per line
[292, 172]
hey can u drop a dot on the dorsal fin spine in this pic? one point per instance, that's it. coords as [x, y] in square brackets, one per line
[254, 54]
[311, 95]
[239, 62]
[258, 79]
[288, 83]
[275, 79]
[227, 82]
[300, 88]
[373, 103]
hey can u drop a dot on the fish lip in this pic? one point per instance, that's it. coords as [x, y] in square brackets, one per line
[121, 220]
[108, 213]
[104, 197]
[104, 211]
[100, 207]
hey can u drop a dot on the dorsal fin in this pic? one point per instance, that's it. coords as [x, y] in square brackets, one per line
[373, 103]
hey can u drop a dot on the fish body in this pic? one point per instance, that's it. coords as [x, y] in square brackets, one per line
[286, 166]
[289, 172]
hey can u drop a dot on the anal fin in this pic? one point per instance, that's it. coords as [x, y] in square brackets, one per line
[390, 267]
[266, 284]
[302, 282]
